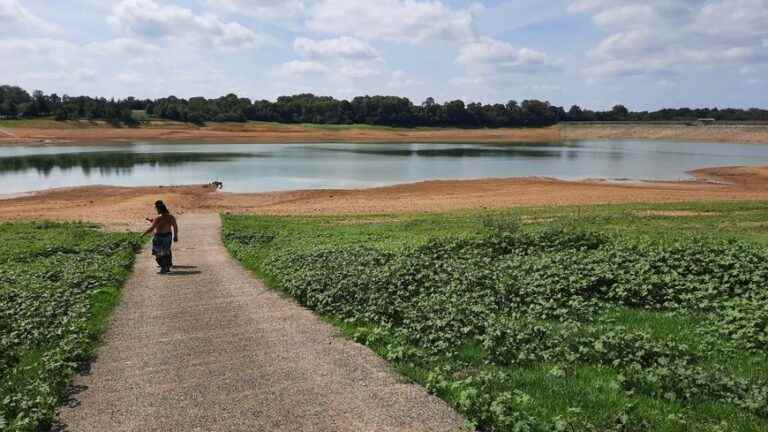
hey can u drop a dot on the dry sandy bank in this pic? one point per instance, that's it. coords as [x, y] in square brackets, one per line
[83, 133]
[120, 207]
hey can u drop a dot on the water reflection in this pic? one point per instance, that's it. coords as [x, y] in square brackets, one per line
[108, 162]
[451, 152]
[273, 167]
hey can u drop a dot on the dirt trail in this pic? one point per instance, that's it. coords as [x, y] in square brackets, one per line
[209, 348]
[7, 133]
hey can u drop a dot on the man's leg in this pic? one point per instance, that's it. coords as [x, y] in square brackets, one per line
[165, 262]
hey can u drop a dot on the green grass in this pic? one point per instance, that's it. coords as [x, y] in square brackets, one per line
[58, 285]
[40, 123]
[140, 115]
[628, 317]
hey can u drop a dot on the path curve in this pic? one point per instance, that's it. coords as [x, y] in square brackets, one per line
[7, 133]
[210, 349]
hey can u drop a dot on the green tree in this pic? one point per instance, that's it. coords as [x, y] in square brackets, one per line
[619, 112]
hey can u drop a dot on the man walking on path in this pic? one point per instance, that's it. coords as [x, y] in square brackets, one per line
[165, 228]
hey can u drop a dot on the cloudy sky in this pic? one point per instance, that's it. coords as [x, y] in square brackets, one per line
[646, 54]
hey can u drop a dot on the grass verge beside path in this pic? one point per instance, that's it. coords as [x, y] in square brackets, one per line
[621, 318]
[58, 284]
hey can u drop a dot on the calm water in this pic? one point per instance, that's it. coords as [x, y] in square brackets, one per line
[271, 167]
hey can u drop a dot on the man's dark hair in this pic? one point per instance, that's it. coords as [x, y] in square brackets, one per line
[161, 208]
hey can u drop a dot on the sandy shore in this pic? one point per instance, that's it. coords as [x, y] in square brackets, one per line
[726, 133]
[268, 133]
[125, 208]
[50, 132]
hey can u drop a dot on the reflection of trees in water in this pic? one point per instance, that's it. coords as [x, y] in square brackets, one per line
[458, 152]
[107, 163]
[536, 151]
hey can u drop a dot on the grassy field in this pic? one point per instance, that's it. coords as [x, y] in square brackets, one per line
[48, 123]
[58, 283]
[625, 318]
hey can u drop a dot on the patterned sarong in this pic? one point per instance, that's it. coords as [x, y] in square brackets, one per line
[161, 244]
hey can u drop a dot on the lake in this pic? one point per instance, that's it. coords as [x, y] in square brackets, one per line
[274, 167]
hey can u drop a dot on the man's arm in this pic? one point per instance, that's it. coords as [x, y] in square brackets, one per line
[150, 229]
[175, 228]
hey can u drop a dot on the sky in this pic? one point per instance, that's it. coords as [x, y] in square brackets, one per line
[645, 54]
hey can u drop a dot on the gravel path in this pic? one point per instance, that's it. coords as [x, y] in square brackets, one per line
[208, 348]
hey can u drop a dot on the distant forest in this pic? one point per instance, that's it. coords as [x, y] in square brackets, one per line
[16, 102]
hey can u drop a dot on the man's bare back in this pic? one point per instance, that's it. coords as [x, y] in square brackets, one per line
[164, 223]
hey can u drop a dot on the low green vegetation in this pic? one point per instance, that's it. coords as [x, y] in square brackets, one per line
[603, 318]
[58, 282]
[47, 123]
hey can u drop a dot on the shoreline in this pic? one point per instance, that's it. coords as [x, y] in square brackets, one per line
[85, 133]
[584, 180]
[724, 133]
[121, 208]
[271, 133]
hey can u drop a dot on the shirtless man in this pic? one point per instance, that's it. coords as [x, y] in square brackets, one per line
[165, 229]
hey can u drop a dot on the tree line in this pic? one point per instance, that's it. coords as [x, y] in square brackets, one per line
[308, 108]
[17, 103]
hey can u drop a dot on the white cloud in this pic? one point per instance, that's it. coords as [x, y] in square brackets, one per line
[149, 19]
[734, 18]
[747, 70]
[358, 70]
[265, 10]
[15, 18]
[545, 88]
[45, 61]
[122, 46]
[335, 71]
[33, 46]
[80, 75]
[514, 15]
[112, 68]
[493, 66]
[341, 47]
[409, 21]
[466, 81]
[337, 58]
[663, 37]
[298, 68]
[129, 78]
[399, 79]
[492, 57]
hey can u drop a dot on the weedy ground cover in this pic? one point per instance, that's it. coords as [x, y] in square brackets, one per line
[625, 318]
[58, 282]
